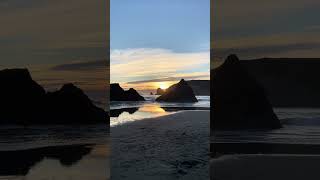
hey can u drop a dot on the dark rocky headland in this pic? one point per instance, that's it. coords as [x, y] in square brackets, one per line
[119, 94]
[24, 101]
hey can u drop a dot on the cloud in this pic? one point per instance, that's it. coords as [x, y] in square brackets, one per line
[141, 64]
[193, 76]
[273, 28]
[90, 76]
[51, 31]
[83, 66]
[275, 45]
[232, 13]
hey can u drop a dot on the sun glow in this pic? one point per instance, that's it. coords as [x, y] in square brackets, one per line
[163, 85]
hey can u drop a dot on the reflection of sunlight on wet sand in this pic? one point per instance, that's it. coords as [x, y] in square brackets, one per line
[101, 151]
[153, 108]
[145, 111]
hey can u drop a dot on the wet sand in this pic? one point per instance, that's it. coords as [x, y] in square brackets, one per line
[174, 146]
[265, 167]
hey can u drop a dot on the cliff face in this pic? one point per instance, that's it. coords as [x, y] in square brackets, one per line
[238, 100]
[23, 101]
[118, 94]
[180, 92]
[288, 82]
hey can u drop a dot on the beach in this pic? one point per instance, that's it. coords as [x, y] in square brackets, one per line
[291, 152]
[54, 152]
[173, 146]
[265, 167]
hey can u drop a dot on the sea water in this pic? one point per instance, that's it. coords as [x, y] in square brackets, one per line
[138, 110]
[54, 152]
[300, 126]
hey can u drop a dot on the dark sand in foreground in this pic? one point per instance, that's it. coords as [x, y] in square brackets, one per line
[175, 146]
[265, 167]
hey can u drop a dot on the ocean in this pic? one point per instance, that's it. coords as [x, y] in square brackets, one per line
[300, 126]
[126, 112]
[54, 152]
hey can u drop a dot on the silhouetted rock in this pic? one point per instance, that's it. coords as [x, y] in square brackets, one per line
[133, 95]
[180, 92]
[160, 91]
[71, 105]
[118, 94]
[20, 97]
[151, 93]
[23, 101]
[200, 87]
[238, 101]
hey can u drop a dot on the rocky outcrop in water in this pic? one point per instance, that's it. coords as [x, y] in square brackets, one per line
[23, 101]
[238, 100]
[71, 105]
[180, 92]
[118, 94]
[160, 91]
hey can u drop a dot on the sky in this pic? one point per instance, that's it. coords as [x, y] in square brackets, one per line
[58, 41]
[155, 42]
[268, 28]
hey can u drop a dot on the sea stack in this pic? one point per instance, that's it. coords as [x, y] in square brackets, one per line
[180, 92]
[118, 94]
[21, 97]
[71, 105]
[23, 102]
[238, 101]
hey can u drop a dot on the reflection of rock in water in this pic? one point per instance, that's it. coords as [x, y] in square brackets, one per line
[117, 112]
[20, 162]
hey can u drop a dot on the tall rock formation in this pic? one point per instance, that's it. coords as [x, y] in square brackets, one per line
[180, 92]
[238, 101]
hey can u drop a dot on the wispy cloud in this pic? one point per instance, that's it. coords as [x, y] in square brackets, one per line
[254, 29]
[177, 78]
[303, 44]
[143, 64]
[83, 66]
[52, 31]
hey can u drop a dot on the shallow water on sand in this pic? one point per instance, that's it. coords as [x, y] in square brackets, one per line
[54, 152]
[300, 126]
[125, 112]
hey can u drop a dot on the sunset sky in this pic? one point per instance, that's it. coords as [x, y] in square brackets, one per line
[58, 41]
[273, 28]
[156, 43]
